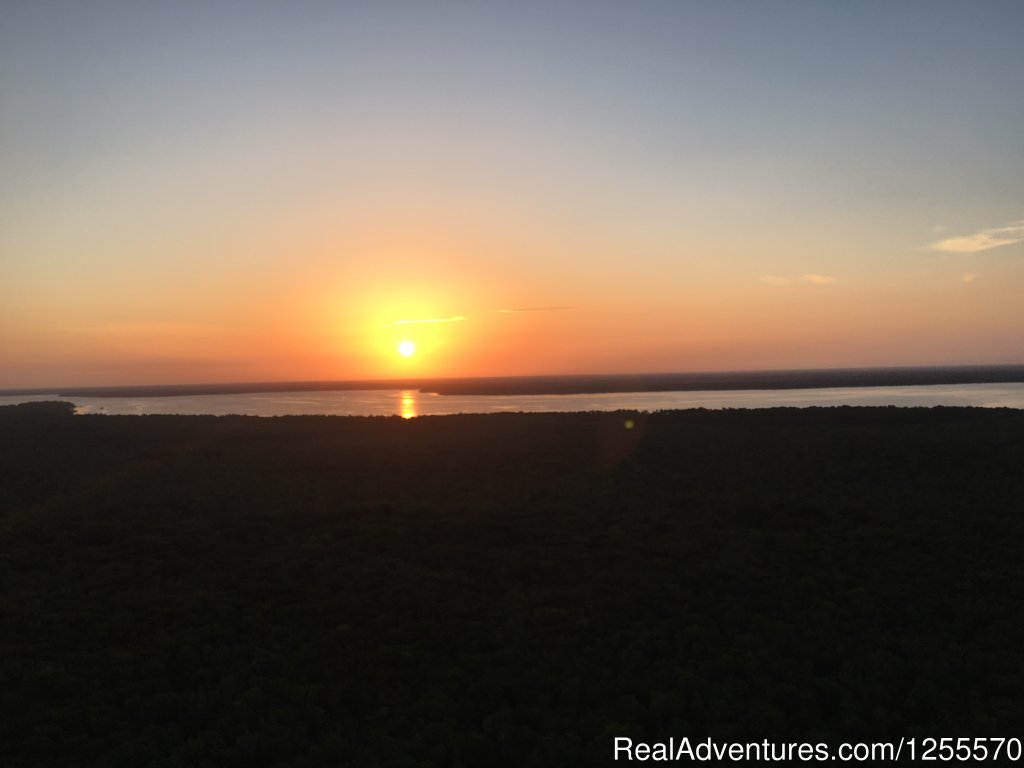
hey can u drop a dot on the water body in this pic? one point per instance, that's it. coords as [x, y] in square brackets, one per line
[410, 403]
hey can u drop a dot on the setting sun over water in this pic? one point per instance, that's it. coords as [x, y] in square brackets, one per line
[198, 193]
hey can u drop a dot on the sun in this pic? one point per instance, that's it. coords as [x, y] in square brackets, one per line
[406, 348]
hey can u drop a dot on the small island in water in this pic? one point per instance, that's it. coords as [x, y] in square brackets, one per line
[504, 590]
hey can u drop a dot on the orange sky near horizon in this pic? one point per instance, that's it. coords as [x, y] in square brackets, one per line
[468, 317]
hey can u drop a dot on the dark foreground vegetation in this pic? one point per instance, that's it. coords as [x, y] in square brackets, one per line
[505, 590]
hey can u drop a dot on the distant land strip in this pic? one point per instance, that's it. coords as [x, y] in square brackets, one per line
[586, 384]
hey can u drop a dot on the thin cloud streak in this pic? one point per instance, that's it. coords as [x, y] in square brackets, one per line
[815, 279]
[452, 319]
[995, 237]
[531, 309]
[461, 318]
[147, 329]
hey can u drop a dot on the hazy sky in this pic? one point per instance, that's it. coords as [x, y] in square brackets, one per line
[223, 191]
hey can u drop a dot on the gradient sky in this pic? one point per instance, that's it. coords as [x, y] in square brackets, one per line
[246, 191]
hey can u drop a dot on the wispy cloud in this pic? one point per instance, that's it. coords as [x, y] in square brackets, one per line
[423, 321]
[968, 277]
[461, 318]
[815, 279]
[531, 309]
[144, 329]
[995, 237]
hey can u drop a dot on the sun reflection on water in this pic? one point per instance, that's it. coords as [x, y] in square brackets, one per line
[407, 405]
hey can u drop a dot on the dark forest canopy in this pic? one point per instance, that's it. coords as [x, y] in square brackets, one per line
[512, 589]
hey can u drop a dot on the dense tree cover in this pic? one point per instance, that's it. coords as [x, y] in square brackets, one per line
[503, 590]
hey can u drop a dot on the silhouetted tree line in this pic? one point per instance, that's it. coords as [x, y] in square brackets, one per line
[503, 590]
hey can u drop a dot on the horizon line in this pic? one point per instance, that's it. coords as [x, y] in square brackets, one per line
[428, 383]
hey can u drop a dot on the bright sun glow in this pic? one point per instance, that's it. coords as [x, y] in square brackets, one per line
[406, 348]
